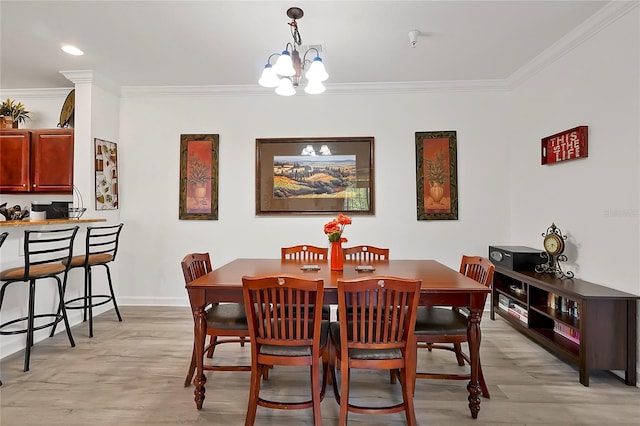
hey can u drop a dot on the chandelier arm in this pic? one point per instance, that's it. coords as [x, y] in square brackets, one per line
[271, 56]
[304, 58]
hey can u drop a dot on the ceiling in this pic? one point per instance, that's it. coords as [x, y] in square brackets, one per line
[225, 43]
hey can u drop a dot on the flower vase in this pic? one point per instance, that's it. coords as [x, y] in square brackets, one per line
[336, 256]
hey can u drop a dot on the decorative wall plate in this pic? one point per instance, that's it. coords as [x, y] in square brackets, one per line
[67, 111]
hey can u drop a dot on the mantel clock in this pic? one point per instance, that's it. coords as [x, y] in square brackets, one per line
[553, 243]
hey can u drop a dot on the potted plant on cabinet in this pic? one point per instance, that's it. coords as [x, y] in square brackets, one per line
[12, 113]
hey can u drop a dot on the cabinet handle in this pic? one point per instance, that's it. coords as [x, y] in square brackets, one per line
[34, 185]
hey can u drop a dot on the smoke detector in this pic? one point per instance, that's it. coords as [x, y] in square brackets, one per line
[413, 37]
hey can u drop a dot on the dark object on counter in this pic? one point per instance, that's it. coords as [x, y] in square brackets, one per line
[13, 213]
[53, 209]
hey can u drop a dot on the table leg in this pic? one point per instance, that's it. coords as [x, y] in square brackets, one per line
[200, 334]
[473, 336]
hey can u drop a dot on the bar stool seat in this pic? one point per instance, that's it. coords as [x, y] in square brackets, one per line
[36, 271]
[45, 252]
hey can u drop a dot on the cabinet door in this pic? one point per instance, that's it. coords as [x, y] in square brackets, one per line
[52, 161]
[14, 161]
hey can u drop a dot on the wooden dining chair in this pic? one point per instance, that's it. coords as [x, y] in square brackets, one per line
[308, 253]
[365, 253]
[377, 333]
[227, 320]
[304, 252]
[446, 328]
[285, 332]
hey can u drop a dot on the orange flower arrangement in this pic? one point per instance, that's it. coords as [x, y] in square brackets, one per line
[334, 228]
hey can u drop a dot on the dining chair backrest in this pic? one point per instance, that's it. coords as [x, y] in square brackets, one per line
[47, 247]
[382, 312]
[478, 268]
[282, 313]
[365, 253]
[195, 265]
[304, 252]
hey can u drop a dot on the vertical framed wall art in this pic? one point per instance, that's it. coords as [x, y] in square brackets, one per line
[106, 174]
[437, 175]
[199, 177]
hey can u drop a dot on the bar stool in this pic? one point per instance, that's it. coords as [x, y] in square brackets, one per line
[101, 246]
[44, 252]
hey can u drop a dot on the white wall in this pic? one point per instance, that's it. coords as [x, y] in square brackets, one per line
[156, 240]
[595, 201]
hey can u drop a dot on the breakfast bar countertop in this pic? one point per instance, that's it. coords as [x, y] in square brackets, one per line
[48, 222]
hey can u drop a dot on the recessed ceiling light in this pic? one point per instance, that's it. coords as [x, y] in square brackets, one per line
[72, 50]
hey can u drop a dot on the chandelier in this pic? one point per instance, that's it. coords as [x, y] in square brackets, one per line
[286, 73]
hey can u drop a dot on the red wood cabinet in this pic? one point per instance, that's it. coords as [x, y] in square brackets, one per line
[36, 161]
[15, 148]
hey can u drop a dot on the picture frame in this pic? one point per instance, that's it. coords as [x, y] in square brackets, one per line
[315, 176]
[106, 173]
[199, 155]
[436, 175]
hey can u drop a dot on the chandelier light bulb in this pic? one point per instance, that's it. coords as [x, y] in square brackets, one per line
[284, 65]
[314, 87]
[269, 77]
[285, 88]
[316, 71]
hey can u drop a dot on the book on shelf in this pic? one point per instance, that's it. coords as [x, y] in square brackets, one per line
[517, 314]
[566, 332]
[513, 308]
[503, 302]
[564, 305]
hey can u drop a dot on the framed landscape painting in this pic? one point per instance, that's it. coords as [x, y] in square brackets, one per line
[198, 177]
[314, 175]
[437, 175]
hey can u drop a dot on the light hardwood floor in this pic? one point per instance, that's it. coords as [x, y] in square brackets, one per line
[131, 373]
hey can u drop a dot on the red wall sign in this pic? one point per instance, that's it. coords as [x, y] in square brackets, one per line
[563, 146]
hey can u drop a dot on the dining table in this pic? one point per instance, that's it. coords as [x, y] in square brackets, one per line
[441, 286]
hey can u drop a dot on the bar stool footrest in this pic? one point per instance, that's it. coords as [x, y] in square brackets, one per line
[107, 299]
[57, 319]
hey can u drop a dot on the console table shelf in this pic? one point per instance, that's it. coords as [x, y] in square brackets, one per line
[586, 324]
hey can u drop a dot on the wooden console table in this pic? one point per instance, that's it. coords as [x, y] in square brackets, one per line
[588, 325]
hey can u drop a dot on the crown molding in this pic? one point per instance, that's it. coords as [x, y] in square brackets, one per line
[609, 13]
[91, 77]
[332, 89]
[36, 94]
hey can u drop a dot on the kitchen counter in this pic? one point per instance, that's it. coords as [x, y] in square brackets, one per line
[48, 222]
